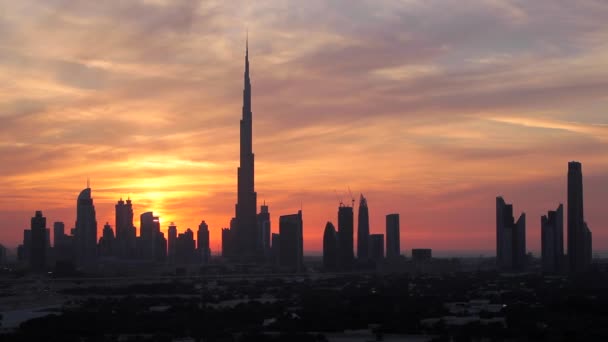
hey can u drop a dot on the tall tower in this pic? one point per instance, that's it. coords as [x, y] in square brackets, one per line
[510, 238]
[552, 240]
[579, 235]
[38, 242]
[86, 228]
[393, 237]
[246, 220]
[363, 230]
[345, 237]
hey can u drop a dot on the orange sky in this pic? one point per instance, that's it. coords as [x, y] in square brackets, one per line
[429, 111]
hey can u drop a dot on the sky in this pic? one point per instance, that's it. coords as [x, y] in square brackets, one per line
[429, 108]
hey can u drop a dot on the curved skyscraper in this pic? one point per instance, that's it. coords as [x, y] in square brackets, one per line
[363, 230]
[86, 228]
[330, 248]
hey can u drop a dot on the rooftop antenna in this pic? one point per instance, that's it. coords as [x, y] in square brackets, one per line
[88, 183]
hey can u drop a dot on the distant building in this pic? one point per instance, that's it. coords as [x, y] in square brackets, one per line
[579, 235]
[227, 243]
[3, 259]
[552, 240]
[107, 241]
[153, 245]
[363, 248]
[291, 250]
[38, 257]
[186, 247]
[275, 249]
[202, 239]
[264, 231]
[330, 248]
[172, 243]
[393, 236]
[125, 230]
[346, 254]
[376, 251]
[58, 234]
[422, 254]
[86, 229]
[510, 238]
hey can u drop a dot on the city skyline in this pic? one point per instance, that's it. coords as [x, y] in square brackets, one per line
[74, 115]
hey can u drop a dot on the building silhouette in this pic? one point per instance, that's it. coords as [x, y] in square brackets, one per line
[291, 245]
[345, 237]
[422, 254]
[85, 232]
[579, 235]
[275, 249]
[376, 247]
[393, 236]
[186, 248]
[107, 241]
[227, 243]
[202, 239]
[171, 243]
[244, 235]
[126, 233]
[58, 233]
[363, 230]
[510, 238]
[152, 244]
[263, 231]
[330, 248]
[63, 244]
[552, 240]
[38, 258]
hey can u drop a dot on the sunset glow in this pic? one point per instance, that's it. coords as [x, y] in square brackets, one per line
[429, 108]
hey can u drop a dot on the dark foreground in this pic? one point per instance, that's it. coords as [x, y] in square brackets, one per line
[458, 307]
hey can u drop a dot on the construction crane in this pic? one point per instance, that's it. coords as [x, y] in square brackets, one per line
[338, 197]
[351, 197]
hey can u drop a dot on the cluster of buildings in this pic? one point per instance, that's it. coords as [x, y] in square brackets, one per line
[338, 246]
[511, 234]
[81, 247]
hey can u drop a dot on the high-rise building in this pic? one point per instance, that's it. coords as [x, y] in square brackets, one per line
[246, 218]
[579, 235]
[125, 230]
[107, 241]
[422, 254]
[393, 236]
[275, 249]
[291, 252]
[185, 247]
[202, 239]
[227, 243]
[330, 248]
[510, 238]
[171, 242]
[264, 231]
[58, 233]
[38, 242]
[363, 230]
[346, 254]
[552, 240]
[151, 238]
[86, 229]
[376, 247]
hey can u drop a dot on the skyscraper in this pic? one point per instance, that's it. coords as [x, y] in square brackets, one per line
[393, 242]
[86, 229]
[38, 242]
[107, 241]
[510, 237]
[330, 248]
[125, 230]
[376, 247]
[264, 231]
[345, 237]
[552, 240]
[150, 237]
[186, 247]
[363, 230]
[202, 239]
[171, 242]
[579, 235]
[246, 220]
[291, 246]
